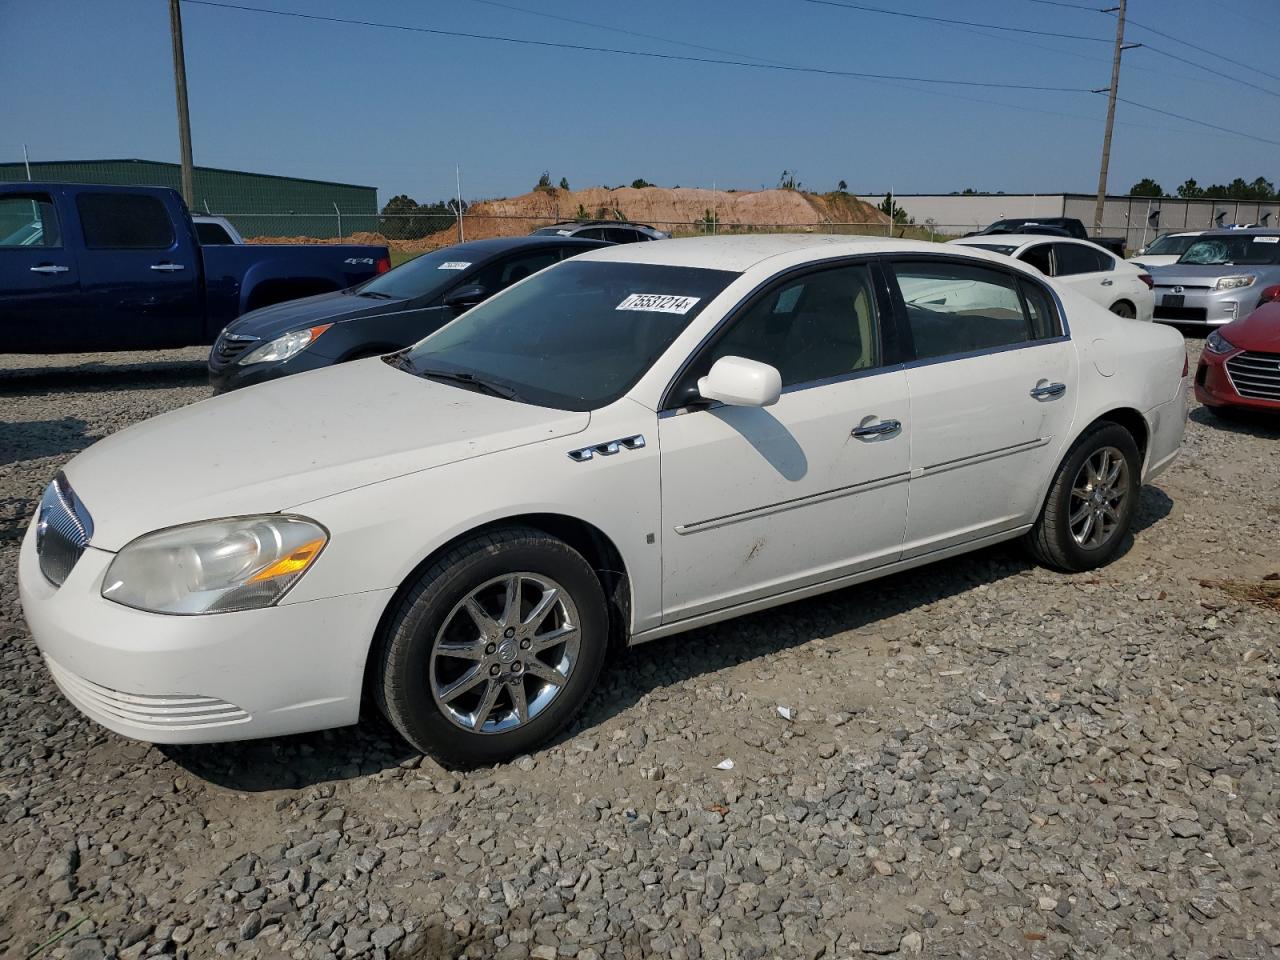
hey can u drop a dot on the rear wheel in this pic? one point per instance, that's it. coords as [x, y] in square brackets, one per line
[1091, 503]
[1123, 308]
[494, 649]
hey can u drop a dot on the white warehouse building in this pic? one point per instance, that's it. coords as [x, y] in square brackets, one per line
[1137, 219]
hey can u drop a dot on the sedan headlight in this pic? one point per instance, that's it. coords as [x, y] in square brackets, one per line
[218, 566]
[282, 348]
[1217, 343]
[1234, 283]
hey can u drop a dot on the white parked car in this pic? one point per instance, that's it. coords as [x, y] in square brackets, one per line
[1118, 285]
[1164, 250]
[642, 440]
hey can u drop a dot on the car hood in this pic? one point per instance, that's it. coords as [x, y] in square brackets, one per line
[1155, 260]
[1259, 331]
[290, 441]
[1193, 275]
[278, 319]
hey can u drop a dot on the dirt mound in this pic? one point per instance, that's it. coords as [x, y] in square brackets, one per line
[679, 210]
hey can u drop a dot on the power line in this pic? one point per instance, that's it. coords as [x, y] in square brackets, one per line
[1201, 123]
[965, 23]
[989, 84]
[1193, 46]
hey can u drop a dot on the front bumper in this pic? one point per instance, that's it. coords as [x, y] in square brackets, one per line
[199, 679]
[1204, 305]
[1215, 388]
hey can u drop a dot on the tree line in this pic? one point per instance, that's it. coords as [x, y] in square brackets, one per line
[1259, 189]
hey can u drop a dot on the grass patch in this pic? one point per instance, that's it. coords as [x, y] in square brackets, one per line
[1264, 593]
[403, 256]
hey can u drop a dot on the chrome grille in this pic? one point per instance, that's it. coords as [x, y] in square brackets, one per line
[63, 530]
[229, 347]
[1256, 375]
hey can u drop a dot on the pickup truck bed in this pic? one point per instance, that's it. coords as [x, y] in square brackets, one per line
[1070, 226]
[87, 268]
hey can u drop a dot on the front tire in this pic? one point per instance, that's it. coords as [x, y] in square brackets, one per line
[494, 648]
[1091, 503]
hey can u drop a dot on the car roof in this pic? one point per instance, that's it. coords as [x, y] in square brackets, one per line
[740, 253]
[1019, 239]
[578, 224]
[1252, 232]
[492, 246]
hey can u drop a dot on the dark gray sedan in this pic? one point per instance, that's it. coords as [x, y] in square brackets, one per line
[390, 311]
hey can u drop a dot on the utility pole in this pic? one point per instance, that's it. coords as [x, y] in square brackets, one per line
[457, 170]
[1111, 113]
[180, 88]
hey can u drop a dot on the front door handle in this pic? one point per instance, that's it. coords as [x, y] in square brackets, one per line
[50, 268]
[1107, 283]
[1049, 391]
[167, 267]
[878, 429]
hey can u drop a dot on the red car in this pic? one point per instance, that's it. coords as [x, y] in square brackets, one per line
[1240, 364]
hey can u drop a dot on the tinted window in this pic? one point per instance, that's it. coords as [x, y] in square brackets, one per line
[124, 221]
[1073, 258]
[502, 274]
[212, 234]
[622, 235]
[1040, 311]
[595, 233]
[28, 221]
[958, 308]
[1038, 257]
[577, 336]
[817, 326]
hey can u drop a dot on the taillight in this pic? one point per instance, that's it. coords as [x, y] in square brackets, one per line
[1146, 278]
[384, 264]
[1270, 294]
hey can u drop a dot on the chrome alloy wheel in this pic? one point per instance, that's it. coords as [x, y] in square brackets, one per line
[1097, 497]
[504, 653]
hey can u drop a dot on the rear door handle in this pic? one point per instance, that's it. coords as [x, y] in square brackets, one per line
[877, 429]
[50, 268]
[1049, 391]
[1107, 283]
[167, 267]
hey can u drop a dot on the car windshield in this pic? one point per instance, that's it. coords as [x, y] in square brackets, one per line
[428, 274]
[576, 336]
[1241, 251]
[1170, 246]
[1004, 248]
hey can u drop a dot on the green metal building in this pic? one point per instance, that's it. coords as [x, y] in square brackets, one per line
[259, 204]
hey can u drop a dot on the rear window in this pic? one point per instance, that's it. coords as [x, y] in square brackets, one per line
[124, 221]
[212, 234]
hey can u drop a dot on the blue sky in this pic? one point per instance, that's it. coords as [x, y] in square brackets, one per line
[397, 110]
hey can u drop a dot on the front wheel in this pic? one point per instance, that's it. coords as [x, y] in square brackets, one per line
[1091, 503]
[494, 649]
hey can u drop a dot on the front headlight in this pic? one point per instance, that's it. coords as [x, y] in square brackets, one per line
[1234, 283]
[1217, 343]
[217, 566]
[282, 348]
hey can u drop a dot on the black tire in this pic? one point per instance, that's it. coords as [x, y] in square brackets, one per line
[401, 680]
[1123, 308]
[1050, 540]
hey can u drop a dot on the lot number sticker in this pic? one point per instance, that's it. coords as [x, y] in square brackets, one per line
[1266, 239]
[454, 265]
[658, 303]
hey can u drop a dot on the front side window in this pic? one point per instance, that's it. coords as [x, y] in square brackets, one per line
[29, 221]
[818, 326]
[959, 308]
[576, 336]
[124, 221]
[1074, 258]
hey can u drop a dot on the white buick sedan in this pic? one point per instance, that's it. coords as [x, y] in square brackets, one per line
[636, 442]
[1123, 287]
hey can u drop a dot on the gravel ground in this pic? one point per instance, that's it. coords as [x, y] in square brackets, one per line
[982, 759]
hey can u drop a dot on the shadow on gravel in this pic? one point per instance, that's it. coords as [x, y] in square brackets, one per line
[35, 439]
[1247, 423]
[99, 376]
[373, 746]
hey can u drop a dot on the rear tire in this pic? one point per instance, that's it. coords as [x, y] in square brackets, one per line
[1091, 503]
[1123, 308]
[473, 671]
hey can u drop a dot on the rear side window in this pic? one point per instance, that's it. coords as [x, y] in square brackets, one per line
[1040, 311]
[622, 235]
[29, 221]
[1076, 258]
[124, 221]
[959, 308]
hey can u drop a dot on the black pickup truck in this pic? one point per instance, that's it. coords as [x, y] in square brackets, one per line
[86, 267]
[1055, 227]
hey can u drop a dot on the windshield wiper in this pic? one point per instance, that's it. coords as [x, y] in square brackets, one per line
[470, 380]
[376, 294]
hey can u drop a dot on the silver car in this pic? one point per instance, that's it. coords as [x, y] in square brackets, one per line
[1225, 274]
